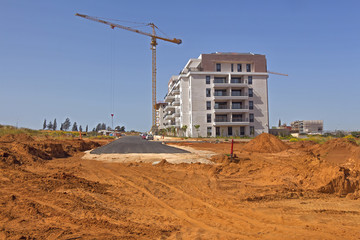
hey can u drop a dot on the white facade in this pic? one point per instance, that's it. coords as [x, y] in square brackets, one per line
[223, 94]
[308, 126]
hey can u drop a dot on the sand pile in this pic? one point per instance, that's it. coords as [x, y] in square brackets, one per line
[344, 182]
[305, 144]
[265, 143]
[338, 151]
[20, 149]
[18, 138]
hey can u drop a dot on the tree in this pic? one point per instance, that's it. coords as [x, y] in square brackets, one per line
[87, 128]
[62, 127]
[75, 128]
[122, 129]
[80, 128]
[103, 126]
[54, 125]
[197, 128]
[184, 128]
[50, 126]
[66, 124]
[44, 124]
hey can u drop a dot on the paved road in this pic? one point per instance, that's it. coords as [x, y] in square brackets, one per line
[134, 144]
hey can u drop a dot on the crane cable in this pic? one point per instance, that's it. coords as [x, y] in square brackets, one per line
[112, 75]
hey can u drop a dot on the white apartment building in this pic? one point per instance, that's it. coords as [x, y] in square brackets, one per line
[308, 126]
[218, 94]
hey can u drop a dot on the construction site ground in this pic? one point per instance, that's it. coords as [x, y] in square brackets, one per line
[270, 190]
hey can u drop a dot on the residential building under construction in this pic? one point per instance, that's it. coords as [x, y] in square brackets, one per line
[218, 94]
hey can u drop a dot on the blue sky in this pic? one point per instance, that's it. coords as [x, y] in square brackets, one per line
[56, 65]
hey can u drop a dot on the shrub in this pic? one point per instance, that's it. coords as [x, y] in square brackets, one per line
[294, 140]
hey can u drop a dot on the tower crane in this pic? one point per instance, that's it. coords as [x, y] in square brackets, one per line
[153, 44]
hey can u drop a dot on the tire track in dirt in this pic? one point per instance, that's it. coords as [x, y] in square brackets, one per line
[178, 213]
[201, 202]
[263, 224]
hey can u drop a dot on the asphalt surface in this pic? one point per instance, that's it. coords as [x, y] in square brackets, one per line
[134, 144]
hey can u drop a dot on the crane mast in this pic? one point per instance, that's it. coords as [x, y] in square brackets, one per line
[153, 44]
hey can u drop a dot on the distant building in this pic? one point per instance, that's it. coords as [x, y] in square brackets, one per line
[279, 131]
[308, 126]
[223, 94]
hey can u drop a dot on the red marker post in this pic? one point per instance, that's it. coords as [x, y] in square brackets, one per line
[232, 148]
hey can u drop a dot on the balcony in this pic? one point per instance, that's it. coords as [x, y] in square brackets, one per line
[175, 92]
[169, 116]
[169, 98]
[226, 96]
[233, 122]
[176, 102]
[231, 110]
[169, 107]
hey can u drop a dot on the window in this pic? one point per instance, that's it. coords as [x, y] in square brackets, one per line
[229, 131]
[237, 105]
[250, 80]
[251, 94]
[220, 105]
[248, 67]
[236, 80]
[252, 130]
[221, 118]
[208, 92]
[251, 105]
[242, 131]
[207, 79]
[237, 118]
[209, 131]
[217, 129]
[235, 92]
[220, 93]
[232, 67]
[239, 68]
[251, 117]
[208, 105]
[208, 118]
[219, 80]
[218, 67]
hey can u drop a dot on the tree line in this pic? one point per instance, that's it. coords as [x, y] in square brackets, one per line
[66, 126]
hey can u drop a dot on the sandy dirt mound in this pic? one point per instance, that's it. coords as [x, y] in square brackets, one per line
[265, 143]
[344, 182]
[302, 144]
[18, 137]
[338, 151]
[20, 149]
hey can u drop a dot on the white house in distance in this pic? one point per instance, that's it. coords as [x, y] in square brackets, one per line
[225, 94]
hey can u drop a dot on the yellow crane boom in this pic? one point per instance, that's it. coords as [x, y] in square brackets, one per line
[153, 49]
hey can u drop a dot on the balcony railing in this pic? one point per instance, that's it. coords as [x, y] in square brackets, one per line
[240, 107]
[220, 94]
[221, 119]
[221, 107]
[236, 94]
[237, 80]
[240, 120]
